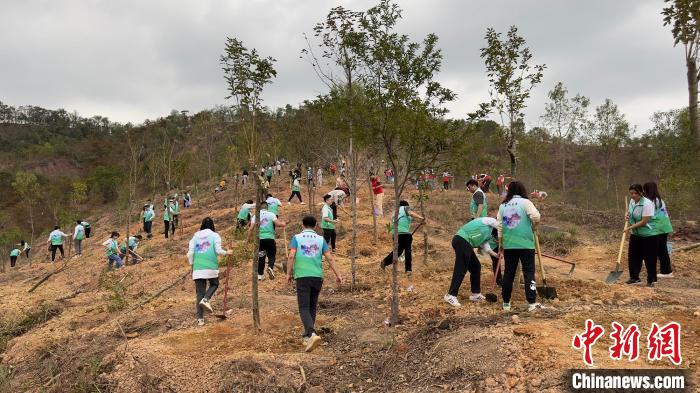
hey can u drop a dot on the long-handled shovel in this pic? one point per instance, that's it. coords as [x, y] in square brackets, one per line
[224, 309]
[492, 297]
[286, 250]
[615, 274]
[573, 264]
[544, 290]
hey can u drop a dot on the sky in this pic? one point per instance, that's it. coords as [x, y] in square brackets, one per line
[133, 60]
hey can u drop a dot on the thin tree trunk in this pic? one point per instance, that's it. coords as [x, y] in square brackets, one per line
[693, 98]
[374, 213]
[395, 257]
[563, 173]
[254, 291]
[421, 197]
[512, 151]
[353, 199]
[31, 244]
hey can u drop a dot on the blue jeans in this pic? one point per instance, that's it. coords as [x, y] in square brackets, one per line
[114, 259]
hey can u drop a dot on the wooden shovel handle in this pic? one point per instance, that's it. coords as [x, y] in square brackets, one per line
[539, 259]
[284, 233]
[622, 241]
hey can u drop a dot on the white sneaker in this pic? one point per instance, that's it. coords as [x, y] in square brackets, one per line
[409, 289]
[205, 303]
[661, 275]
[312, 342]
[261, 277]
[506, 306]
[534, 307]
[304, 203]
[452, 300]
[270, 273]
[477, 297]
[200, 322]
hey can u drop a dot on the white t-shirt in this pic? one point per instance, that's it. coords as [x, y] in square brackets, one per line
[337, 195]
[78, 229]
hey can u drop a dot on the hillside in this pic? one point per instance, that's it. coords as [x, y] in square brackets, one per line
[76, 331]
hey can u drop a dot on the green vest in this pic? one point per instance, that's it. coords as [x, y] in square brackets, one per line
[14, 253]
[475, 232]
[85, 224]
[148, 215]
[663, 221]
[176, 208]
[273, 207]
[243, 213]
[636, 211]
[326, 211]
[473, 207]
[516, 225]
[56, 239]
[267, 225]
[309, 256]
[81, 234]
[112, 248]
[295, 185]
[404, 221]
[205, 257]
[166, 213]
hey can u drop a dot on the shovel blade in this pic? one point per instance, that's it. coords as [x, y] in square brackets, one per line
[613, 276]
[547, 292]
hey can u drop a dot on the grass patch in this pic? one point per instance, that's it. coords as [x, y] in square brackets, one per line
[11, 329]
[116, 298]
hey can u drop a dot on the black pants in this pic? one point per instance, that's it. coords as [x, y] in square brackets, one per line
[87, 232]
[267, 248]
[405, 241]
[295, 193]
[174, 223]
[334, 208]
[308, 289]
[26, 252]
[241, 225]
[642, 249]
[465, 260]
[167, 227]
[329, 237]
[269, 178]
[527, 258]
[200, 286]
[58, 247]
[446, 185]
[148, 227]
[13, 260]
[662, 251]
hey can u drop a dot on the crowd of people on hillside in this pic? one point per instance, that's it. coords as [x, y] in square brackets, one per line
[506, 234]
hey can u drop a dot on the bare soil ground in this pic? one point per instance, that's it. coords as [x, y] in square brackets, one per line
[85, 333]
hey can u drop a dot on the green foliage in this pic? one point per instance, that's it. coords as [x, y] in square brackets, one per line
[116, 298]
[5, 378]
[106, 181]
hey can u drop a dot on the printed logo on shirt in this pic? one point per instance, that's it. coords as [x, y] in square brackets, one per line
[264, 221]
[511, 220]
[309, 250]
[202, 246]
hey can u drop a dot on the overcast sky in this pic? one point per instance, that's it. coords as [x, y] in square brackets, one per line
[133, 60]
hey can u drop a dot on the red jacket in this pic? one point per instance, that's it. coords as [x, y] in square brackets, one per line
[376, 186]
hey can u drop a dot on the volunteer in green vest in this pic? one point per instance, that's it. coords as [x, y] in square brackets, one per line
[517, 219]
[474, 234]
[268, 248]
[305, 266]
[86, 225]
[662, 228]
[328, 221]
[296, 191]
[55, 242]
[78, 236]
[478, 206]
[13, 256]
[204, 249]
[244, 214]
[133, 243]
[147, 215]
[406, 216]
[167, 216]
[175, 212]
[25, 248]
[112, 251]
[273, 204]
[643, 243]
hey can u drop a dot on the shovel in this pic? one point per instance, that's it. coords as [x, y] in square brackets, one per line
[544, 290]
[573, 264]
[223, 315]
[286, 250]
[615, 274]
[492, 297]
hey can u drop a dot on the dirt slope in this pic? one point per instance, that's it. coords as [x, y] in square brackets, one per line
[90, 341]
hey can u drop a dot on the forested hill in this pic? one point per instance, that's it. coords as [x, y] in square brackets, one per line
[70, 166]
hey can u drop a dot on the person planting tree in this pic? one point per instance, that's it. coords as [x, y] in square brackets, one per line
[328, 222]
[268, 247]
[13, 256]
[55, 242]
[643, 243]
[478, 206]
[517, 219]
[244, 214]
[78, 236]
[406, 216]
[662, 228]
[474, 234]
[112, 251]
